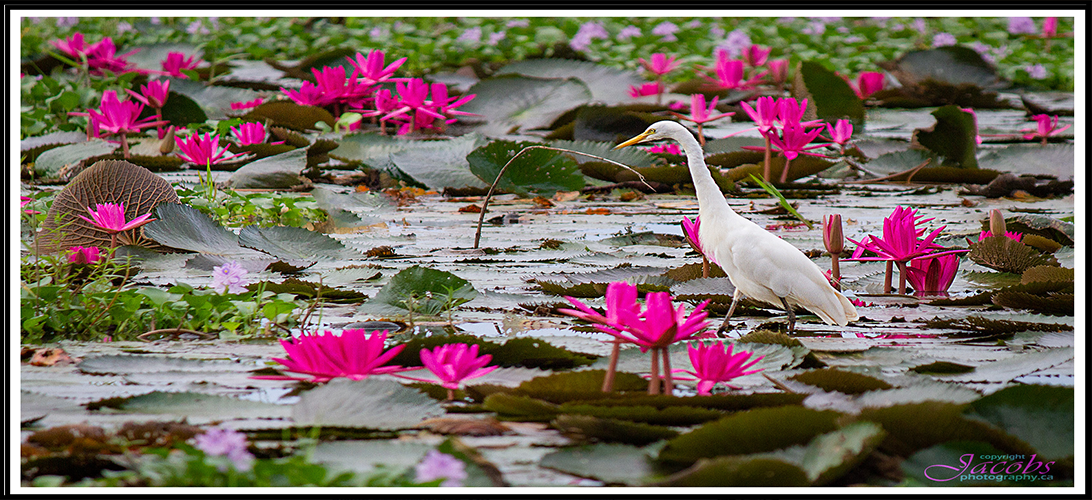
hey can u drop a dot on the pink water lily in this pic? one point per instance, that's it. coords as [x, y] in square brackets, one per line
[841, 132]
[308, 94]
[651, 88]
[110, 218]
[249, 133]
[1010, 234]
[690, 229]
[322, 357]
[370, 68]
[177, 61]
[415, 106]
[660, 64]
[779, 70]
[115, 116]
[153, 94]
[454, 363]
[868, 83]
[73, 47]
[714, 364]
[730, 75]
[247, 104]
[84, 255]
[1046, 127]
[202, 150]
[701, 114]
[764, 114]
[755, 55]
[835, 244]
[339, 89]
[1050, 27]
[23, 200]
[932, 274]
[900, 244]
[621, 298]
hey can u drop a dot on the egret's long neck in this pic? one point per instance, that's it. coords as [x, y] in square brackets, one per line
[709, 195]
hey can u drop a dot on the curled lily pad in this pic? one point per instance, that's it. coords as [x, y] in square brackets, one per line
[952, 137]
[829, 94]
[584, 427]
[539, 170]
[293, 243]
[607, 84]
[1040, 415]
[1057, 304]
[423, 291]
[1040, 243]
[183, 227]
[521, 408]
[1047, 273]
[611, 463]
[104, 182]
[833, 379]
[52, 162]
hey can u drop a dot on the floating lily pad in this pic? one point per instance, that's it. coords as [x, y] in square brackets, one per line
[587, 428]
[521, 408]
[827, 93]
[740, 471]
[215, 100]
[186, 228]
[953, 65]
[441, 164]
[510, 101]
[916, 426]
[942, 368]
[50, 162]
[1040, 415]
[369, 403]
[540, 170]
[425, 291]
[749, 432]
[294, 243]
[833, 379]
[280, 171]
[197, 407]
[308, 290]
[1056, 160]
[1058, 304]
[1047, 273]
[952, 137]
[608, 85]
[31, 147]
[611, 463]
[569, 386]
[671, 416]
[290, 115]
[1007, 255]
[124, 364]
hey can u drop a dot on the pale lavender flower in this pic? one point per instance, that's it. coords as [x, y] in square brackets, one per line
[736, 42]
[716, 32]
[438, 465]
[825, 20]
[943, 40]
[216, 442]
[471, 35]
[1036, 71]
[694, 24]
[230, 276]
[496, 37]
[814, 28]
[124, 27]
[1022, 25]
[379, 32]
[628, 32]
[67, 21]
[919, 25]
[667, 30]
[854, 39]
[197, 27]
[518, 23]
[588, 32]
[154, 20]
[843, 29]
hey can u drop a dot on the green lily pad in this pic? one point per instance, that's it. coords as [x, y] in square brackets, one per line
[1056, 160]
[215, 100]
[581, 385]
[509, 101]
[831, 96]
[280, 171]
[369, 148]
[520, 408]
[290, 115]
[442, 164]
[50, 162]
[915, 426]
[942, 368]
[585, 428]
[633, 157]
[610, 463]
[181, 111]
[740, 471]
[749, 432]
[539, 170]
[1061, 304]
[197, 407]
[833, 379]
[31, 147]
[608, 85]
[831, 455]
[1007, 255]
[125, 364]
[1040, 415]
[186, 228]
[676, 416]
[952, 137]
[523, 352]
[308, 290]
[953, 65]
[425, 291]
[369, 403]
[294, 243]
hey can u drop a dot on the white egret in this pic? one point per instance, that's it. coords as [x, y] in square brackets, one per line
[760, 265]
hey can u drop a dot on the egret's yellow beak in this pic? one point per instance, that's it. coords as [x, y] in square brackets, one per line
[640, 138]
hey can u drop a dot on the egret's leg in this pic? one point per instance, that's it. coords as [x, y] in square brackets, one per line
[792, 315]
[731, 309]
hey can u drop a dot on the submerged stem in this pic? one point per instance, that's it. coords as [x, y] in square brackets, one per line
[612, 368]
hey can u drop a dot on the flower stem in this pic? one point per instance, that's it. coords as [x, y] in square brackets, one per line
[669, 384]
[902, 276]
[608, 379]
[701, 136]
[451, 394]
[835, 271]
[766, 165]
[124, 146]
[704, 266]
[887, 278]
[654, 374]
[785, 173]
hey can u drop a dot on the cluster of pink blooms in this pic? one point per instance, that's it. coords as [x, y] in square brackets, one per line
[102, 57]
[355, 355]
[655, 327]
[779, 122]
[415, 105]
[117, 117]
[929, 267]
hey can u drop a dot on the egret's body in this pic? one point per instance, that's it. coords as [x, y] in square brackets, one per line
[760, 265]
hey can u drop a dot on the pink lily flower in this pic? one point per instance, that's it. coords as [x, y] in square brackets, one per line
[764, 114]
[385, 104]
[755, 55]
[84, 255]
[370, 68]
[900, 244]
[454, 363]
[621, 298]
[119, 117]
[791, 111]
[701, 114]
[153, 94]
[414, 97]
[202, 150]
[690, 229]
[868, 83]
[73, 47]
[713, 363]
[110, 217]
[101, 56]
[730, 75]
[247, 104]
[840, 132]
[1050, 27]
[1012, 235]
[779, 70]
[1047, 126]
[660, 64]
[651, 88]
[794, 141]
[447, 105]
[660, 324]
[932, 274]
[177, 61]
[671, 149]
[23, 200]
[337, 88]
[834, 243]
[309, 94]
[249, 133]
[321, 358]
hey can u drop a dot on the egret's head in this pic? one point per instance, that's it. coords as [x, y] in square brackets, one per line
[656, 131]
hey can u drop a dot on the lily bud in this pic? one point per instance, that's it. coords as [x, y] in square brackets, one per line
[997, 222]
[832, 234]
[166, 146]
